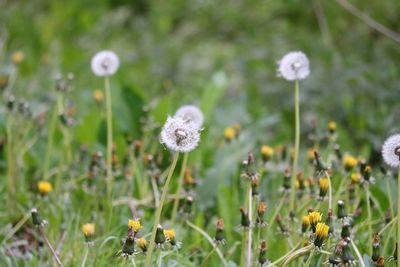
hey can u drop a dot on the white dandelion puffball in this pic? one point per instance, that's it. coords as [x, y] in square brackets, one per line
[105, 63]
[179, 135]
[391, 150]
[191, 114]
[294, 66]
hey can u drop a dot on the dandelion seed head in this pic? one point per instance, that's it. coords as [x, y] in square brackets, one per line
[294, 66]
[180, 135]
[191, 114]
[105, 63]
[391, 150]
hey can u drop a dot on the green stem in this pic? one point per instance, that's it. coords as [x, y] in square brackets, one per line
[391, 207]
[85, 257]
[208, 257]
[159, 210]
[49, 146]
[367, 194]
[296, 144]
[284, 256]
[387, 226]
[398, 214]
[209, 239]
[330, 190]
[109, 136]
[309, 258]
[178, 190]
[249, 242]
[10, 160]
[360, 259]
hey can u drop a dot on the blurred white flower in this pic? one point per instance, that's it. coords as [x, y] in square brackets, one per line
[180, 135]
[294, 66]
[105, 63]
[391, 150]
[191, 114]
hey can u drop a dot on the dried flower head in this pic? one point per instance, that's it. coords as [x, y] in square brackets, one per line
[105, 63]
[179, 135]
[192, 114]
[294, 66]
[219, 234]
[44, 187]
[391, 150]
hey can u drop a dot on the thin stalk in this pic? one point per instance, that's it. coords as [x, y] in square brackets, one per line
[296, 144]
[49, 146]
[85, 257]
[109, 135]
[284, 256]
[43, 234]
[208, 257]
[389, 195]
[360, 258]
[398, 213]
[249, 242]
[296, 254]
[209, 239]
[159, 210]
[10, 160]
[272, 219]
[133, 262]
[367, 194]
[387, 225]
[329, 190]
[178, 190]
[309, 258]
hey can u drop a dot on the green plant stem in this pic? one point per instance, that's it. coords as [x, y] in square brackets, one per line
[10, 161]
[398, 214]
[203, 264]
[296, 254]
[133, 262]
[389, 195]
[43, 234]
[49, 146]
[209, 239]
[284, 256]
[329, 190]
[387, 225]
[249, 242]
[360, 259]
[272, 219]
[367, 195]
[159, 210]
[109, 136]
[85, 257]
[179, 189]
[296, 144]
[309, 258]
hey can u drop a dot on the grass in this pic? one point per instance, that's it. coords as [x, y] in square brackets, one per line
[222, 60]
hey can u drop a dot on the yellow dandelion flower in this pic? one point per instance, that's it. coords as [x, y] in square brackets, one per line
[169, 234]
[355, 177]
[314, 217]
[321, 233]
[266, 152]
[332, 126]
[44, 187]
[349, 162]
[142, 244]
[17, 57]
[134, 225]
[229, 133]
[98, 95]
[305, 223]
[323, 186]
[310, 154]
[88, 229]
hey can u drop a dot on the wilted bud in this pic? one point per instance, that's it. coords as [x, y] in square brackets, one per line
[261, 208]
[262, 257]
[219, 234]
[329, 222]
[245, 221]
[376, 245]
[341, 214]
[128, 247]
[160, 236]
[346, 230]
[36, 219]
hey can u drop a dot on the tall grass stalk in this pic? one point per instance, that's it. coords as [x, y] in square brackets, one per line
[109, 136]
[179, 189]
[159, 210]
[296, 144]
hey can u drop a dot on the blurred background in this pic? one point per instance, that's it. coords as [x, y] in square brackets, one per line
[223, 53]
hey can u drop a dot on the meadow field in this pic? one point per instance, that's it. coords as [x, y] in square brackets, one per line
[199, 133]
